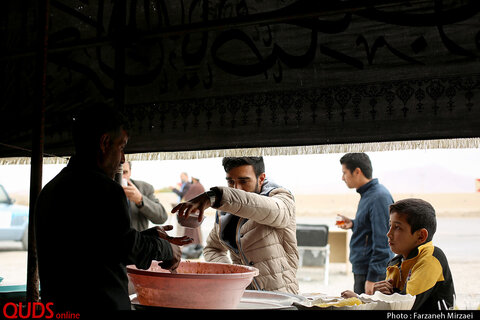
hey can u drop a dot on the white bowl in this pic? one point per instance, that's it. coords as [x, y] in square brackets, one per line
[394, 301]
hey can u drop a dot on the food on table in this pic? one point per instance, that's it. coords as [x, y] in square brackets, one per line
[342, 303]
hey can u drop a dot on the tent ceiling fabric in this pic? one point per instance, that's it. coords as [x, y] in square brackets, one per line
[212, 75]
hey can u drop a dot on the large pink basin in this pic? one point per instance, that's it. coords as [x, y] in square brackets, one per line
[196, 285]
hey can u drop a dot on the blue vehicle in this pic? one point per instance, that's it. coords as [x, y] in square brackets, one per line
[13, 220]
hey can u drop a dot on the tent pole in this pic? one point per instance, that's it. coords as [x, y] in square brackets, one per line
[119, 22]
[33, 293]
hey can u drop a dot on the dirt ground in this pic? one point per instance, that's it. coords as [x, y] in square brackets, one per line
[445, 204]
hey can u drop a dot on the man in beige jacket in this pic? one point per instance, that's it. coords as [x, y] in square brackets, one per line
[255, 224]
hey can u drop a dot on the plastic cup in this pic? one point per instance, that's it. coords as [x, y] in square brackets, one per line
[339, 221]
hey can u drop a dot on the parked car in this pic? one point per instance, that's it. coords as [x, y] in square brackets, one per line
[13, 220]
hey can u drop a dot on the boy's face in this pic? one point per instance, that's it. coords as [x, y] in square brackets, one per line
[400, 237]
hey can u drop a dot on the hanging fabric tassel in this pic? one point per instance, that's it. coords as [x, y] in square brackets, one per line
[463, 143]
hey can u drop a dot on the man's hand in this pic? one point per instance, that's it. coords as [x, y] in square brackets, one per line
[369, 287]
[132, 193]
[348, 223]
[348, 294]
[197, 204]
[385, 286]
[173, 264]
[179, 241]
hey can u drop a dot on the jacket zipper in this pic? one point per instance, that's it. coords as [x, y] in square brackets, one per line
[242, 255]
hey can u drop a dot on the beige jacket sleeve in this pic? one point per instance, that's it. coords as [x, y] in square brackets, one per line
[276, 211]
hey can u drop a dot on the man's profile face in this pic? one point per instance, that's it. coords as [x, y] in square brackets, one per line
[126, 170]
[183, 177]
[113, 153]
[349, 177]
[244, 178]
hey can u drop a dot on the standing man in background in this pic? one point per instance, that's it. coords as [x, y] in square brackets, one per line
[194, 190]
[144, 206]
[193, 250]
[369, 249]
[185, 185]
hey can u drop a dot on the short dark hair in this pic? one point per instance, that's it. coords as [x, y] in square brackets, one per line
[90, 123]
[420, 214]
[256, 162]
[358, 160]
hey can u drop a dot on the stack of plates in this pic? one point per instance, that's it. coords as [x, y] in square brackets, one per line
[251, 299]
[377, 301]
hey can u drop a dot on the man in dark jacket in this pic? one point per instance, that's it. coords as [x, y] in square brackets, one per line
[83, 232]
[369, 250]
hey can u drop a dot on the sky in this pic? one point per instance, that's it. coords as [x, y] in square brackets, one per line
[405, 171]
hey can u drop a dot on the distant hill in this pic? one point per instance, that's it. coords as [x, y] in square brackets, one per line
[427, 179]
[445, 204]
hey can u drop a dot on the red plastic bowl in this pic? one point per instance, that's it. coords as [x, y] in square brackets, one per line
[196, 285]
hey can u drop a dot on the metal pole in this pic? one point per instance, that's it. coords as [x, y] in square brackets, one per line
[37, 150]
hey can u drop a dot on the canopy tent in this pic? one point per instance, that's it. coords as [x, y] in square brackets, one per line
[205, 76]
